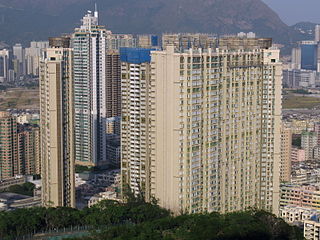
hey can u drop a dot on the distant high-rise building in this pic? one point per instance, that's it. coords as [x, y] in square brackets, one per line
[32, 56]
[244, 43]
[4, 65]
[296, 58]
[246, 35]
[29, 149]
[113, 84]
[57, 125]
[317, 33]
[189, 40]
[299, 78]
[18, 52]
[113, 149]
[317, 131]
[113, 125]
[309, 50]
[9, 163]
[117, 41]
[189, 121]
[148, 41]
[11, 75]
[90, 99]
[19, 60]
[285, 164]
[309, 141]
[318, 57]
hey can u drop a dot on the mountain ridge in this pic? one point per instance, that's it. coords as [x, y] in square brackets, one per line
[18, 17]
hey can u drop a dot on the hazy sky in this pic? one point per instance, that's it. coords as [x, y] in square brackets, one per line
[293, 11]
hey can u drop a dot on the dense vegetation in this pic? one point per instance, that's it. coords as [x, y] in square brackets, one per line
[22, 222]
[24, 189]
[301, 91]
[145, 221]
[242, 225]
[296, 141]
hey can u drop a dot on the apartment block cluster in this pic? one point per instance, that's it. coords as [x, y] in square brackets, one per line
[300, 173]
[177, 114]
[18, 62]
[304, 69]
[19, 147]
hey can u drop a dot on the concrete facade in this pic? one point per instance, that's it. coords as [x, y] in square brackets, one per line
[57, 128]
[193, 115]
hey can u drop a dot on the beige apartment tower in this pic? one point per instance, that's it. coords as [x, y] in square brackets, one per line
[113, 84]
[208, 129]
[309, 141]
[56, 120]
[29, 149]
[9, 162]
[286, 146]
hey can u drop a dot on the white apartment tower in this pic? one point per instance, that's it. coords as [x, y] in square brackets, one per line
[309, 140]
[89, 43]
[135, 80]
[33, 55]
[201, 128]
[4, 65]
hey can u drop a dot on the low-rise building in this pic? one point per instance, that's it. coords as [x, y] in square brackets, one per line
[111, 193]
[307, 172]
[297, 155]
[294, 214]
[307, 196]
[312, 229]
[113, 149]
[12, 201]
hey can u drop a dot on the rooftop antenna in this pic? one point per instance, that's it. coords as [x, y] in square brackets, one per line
[96, 11]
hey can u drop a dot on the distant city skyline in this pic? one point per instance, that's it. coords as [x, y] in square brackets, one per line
[294, 11]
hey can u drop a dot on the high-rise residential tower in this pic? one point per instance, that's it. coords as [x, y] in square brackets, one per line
[317, 131]
[57, 125]
[317, 33]
[296, 58]
[135, 87]
[89, 43]
[201, 127]
[9, 163]
[309, 51]
[309, 140]
[19, 60]
[4, 65]
[32, 56]
[29, 149]
[286, 145]
[113, 84]
[117, 41]
[189, 40]
[148, 41]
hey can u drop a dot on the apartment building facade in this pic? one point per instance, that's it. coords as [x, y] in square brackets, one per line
[190, 142]
[57, 125]
[9, 162]
[89, 66]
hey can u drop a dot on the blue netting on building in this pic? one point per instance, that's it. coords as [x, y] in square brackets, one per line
[154, 41]
[135, 55]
